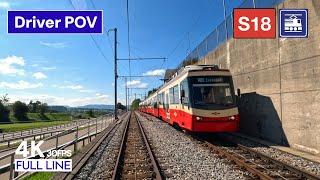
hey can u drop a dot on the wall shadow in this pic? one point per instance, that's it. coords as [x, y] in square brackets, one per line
[259, 118]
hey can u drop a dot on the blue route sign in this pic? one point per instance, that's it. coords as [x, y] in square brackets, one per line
[293, 23]
[55, 22]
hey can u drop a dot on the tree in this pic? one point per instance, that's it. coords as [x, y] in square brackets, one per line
[135, 104]
[152, 91]
[4, 100]
[43, 108]
[32, 107]
[90, 113]
[38, 107]
[4, 113]
[120, 106]
[20, 110]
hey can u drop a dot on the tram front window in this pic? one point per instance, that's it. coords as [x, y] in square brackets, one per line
[212, 92]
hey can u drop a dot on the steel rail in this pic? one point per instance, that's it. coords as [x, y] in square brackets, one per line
[303, 173]
[240, 162]
[120, 155]
[84, 156]
[259, 170]
[155, 165]
[251, 166]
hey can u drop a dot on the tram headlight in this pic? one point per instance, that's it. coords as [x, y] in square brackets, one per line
[232, 118]
[198, 118]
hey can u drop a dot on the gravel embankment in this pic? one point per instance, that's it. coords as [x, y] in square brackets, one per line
[101, 165]
[181, 158]
[290, 159]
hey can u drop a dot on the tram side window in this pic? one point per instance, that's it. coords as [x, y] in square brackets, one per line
[171, 96]
[160, 99]
[176, 94]
[155, 102]
[184, 92]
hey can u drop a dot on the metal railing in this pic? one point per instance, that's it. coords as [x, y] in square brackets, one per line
[76, 139]
[41, 132]
[224, 30]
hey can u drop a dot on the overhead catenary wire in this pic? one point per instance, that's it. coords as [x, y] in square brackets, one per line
[95, 42]
[185, 35]
[128, 40]
[109, 41]
[129, 45]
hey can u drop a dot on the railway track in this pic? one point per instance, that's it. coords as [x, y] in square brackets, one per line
[258, 164]
[136, 159]
[81, 159]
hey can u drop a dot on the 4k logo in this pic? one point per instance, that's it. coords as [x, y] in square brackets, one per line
[34, 149]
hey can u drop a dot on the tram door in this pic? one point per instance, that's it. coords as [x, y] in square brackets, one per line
[166, 106]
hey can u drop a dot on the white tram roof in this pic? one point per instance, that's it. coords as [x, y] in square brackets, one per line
[184, 70]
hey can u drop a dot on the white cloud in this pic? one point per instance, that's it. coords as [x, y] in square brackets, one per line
[39, 75]
[49, 68]
[78, 87]
[86, 91]
[54, 44]
[58, 100]
[136, 84]
[20, 85]
[4, 5]
[8, 65]
[156, 72]
[74, 87]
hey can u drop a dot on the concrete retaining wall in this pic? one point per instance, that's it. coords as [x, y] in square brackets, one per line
[280, 83]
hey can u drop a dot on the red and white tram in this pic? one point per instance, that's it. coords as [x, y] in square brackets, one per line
[199, 98]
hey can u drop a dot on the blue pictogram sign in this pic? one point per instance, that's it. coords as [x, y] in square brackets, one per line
[293, 23]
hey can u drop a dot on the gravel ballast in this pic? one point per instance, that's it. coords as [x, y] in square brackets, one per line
[182, 158]
[293, 160]
[102, 163]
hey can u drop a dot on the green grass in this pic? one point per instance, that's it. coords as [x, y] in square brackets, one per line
[36, 120]
[31, 125]
[39, 176]
[45, 117]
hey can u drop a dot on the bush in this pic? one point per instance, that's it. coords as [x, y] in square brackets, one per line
[90, 113]
[120, 106]
[135, 104]
[4, 113]
[20, 110]
[43, 108]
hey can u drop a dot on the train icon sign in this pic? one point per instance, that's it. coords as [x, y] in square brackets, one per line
[293, 23]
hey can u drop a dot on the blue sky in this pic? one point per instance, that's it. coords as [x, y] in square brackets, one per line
[70, 70]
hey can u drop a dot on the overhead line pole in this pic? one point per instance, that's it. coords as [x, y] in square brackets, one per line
[125, 79]
[137, 88]
[140, 77]
[137, 59]
[115, 74]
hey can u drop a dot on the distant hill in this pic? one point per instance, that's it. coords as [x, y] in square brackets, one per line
[96, 106]
[58, 108]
